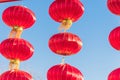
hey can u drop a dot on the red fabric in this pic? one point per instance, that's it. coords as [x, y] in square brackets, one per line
[15, 75]
[65, 44]
[114, 75]
[66, 9]
[114, 6]
[64, 72]
[114, 38]
[2, 1]
[16, 48]
[18, 16]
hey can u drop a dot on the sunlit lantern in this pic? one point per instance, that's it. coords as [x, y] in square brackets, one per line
[19, 18]
[66, 12]
[15, 75]
[114, 75]
[16, 50]
[114, 38]
[114, 6]
[65, 43]
[64, 72]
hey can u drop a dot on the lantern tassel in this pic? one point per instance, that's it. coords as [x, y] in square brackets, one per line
[16, 32]
[14, 64]
[65, 25]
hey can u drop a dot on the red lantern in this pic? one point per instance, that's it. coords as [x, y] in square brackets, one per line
[64, 72]
[114, 6]
[114, 75]
[61, 10]
[114, 38]
[16, 49]
[19, 18]
[15, 75]
[65, 43]
[66, 11]
[2, 1]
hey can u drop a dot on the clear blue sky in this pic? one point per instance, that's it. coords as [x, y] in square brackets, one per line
[96, 58]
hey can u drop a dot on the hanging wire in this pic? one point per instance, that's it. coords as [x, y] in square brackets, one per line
[63, 60]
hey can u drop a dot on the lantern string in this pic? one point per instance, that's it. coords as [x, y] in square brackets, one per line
[16, 32]
[14, 64]
[63, 60]
[65, 25]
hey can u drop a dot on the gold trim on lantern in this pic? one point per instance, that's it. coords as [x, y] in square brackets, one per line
[65, 24]
[14, 64]
[16, 32]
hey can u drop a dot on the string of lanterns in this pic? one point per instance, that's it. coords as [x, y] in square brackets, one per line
[65, 43]
[114, 36]
[14, 48]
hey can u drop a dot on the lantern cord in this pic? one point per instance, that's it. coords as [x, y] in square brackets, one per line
[16, 32]
[63, 60]
[65, 25]
[14, 64]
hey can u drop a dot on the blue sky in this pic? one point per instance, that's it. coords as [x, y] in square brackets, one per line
[96, 58]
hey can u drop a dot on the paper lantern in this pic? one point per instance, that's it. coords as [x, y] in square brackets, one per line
[114, 75]
[64, 72]
[114, 38]
[19, 18]
[15, 75]
[16, 49]
[66, 11]
[114, 6]
[65, 44]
